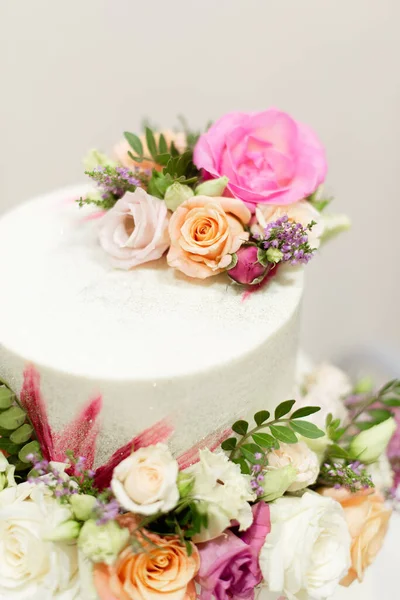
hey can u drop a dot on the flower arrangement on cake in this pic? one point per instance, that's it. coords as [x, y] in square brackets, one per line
[241, 198]
[292, 503]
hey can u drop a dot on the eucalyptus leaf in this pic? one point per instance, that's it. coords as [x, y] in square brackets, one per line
[12, 418]
[284, 408]
[283, 434]
[307, 429]
[240, 427]
[31, 448]
[22, 434]
[6, 445]
[392, 402]
[7, 397]
[261, 417]
[379, 414]
[305, 412]
[135, 142]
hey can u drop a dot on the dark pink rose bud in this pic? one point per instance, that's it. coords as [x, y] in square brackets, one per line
[248, 270]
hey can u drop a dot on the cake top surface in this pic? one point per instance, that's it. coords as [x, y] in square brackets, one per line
[67, 308]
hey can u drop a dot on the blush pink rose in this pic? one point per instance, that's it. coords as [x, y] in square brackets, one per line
[204, 233]
[267, 156]
[135, 230]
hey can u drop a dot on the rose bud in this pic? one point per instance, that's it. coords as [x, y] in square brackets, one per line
[247, 270]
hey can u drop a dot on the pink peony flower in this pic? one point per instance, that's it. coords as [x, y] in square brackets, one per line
[204, 233]
[229, 564]
[135, 230]
[248, 271]
[268, 157]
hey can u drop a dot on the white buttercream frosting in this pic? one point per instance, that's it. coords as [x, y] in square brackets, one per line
[151, 341]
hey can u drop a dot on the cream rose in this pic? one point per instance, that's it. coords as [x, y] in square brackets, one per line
[135, 230]
[301, 212]
[204, 232]
[146, 482]
[225, 491]
[301, 458]
[368, 521]
[307, 552]
[31, 566]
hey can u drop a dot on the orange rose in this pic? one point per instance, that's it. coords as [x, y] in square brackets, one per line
[122, 148]
[164, 570]
[368, 521]
[204, 233]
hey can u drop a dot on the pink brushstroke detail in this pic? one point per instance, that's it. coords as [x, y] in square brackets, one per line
[35, 407]
[80, 435]
[160, 432]
[256, 288]
[95, 215]
[212, 441]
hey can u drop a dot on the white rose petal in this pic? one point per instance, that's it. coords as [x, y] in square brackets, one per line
[31, 566]
[307, 552]
[225, 491]
[146, 482]
[299, 456]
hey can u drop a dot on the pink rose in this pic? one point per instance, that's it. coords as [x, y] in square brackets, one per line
[229, 564]
[135, 230]
[268, 157]
[204, 233]
[248, 271]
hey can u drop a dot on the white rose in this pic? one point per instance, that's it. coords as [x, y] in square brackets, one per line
[146, 482]
[31, 566]
[381, 473]
[326, 386]
[307, 552]
[302, 212]
[225, 491]
[299, 456]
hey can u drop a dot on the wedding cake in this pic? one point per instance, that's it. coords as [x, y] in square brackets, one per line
[149, 352]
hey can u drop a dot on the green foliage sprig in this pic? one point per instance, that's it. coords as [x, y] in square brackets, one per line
[17, 434]
[283, 427]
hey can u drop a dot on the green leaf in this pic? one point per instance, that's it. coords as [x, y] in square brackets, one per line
[162, 145]
[392, 402]
[19, 465]
[22, 434]
[151, 142]
[240, 427]
[328, 420]
[12, 418]
[134, 142]
[364, 425]
[262, 257]
[284, 408]
[7, 397]
[335, 423]
[183, 163]
[248, 451]
[229, 444]
[261, 416]
[379, 415]
[389, 385]
[31, 448]
[8, 446]
[306, 429]
[305, 412]
[336, 451]
[264, 440]
[137, 159]
[283, 434]
[173, 149]
[162, 159]
[244, 467]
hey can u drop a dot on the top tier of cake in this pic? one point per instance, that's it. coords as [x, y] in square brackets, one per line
[151, 341]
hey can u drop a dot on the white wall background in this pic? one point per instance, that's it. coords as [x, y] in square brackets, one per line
[76, 74]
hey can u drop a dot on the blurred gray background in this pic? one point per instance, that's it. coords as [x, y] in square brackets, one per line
[75, 75]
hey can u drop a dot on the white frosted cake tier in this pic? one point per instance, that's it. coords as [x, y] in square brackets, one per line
[152, 342]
